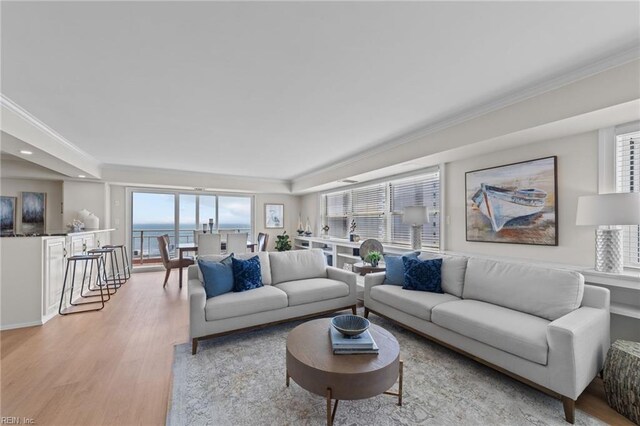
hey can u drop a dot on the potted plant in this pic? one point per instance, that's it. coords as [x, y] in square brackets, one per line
[374, 257]
[282, 242]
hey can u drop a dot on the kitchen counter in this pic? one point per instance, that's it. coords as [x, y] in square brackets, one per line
[62, 233]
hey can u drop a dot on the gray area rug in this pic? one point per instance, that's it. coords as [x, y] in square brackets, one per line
[240, 380]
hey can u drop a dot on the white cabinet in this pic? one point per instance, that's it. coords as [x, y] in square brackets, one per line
[81, 243]
[53, 274]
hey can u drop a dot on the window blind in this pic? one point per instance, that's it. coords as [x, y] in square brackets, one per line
[368, 209]
[337, 206]
[377, 209]
[421, 190]
[628, 180]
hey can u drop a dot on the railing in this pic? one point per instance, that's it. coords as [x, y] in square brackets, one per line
[145, 244]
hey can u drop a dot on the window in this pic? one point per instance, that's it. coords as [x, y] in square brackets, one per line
[627, 177]
[179, 214]
[377, 209]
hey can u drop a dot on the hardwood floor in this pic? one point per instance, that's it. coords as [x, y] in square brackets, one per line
[114, 366]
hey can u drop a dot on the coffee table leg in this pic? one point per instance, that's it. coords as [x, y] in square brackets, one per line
[287, 378]
[329, 414]
[400, 383]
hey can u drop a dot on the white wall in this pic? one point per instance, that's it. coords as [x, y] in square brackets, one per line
[118, 214]
[577, 175]
[310, 208]
[291, 212]
[85, 195]
[53, 189]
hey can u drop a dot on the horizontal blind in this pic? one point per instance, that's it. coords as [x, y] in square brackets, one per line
[628, 180]
[367, 209]
[421, 190]
[337, 207]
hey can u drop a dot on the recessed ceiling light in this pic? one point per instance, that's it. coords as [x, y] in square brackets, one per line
[25, 152]
[81, 176]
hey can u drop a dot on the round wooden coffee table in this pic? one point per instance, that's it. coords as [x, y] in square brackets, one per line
[312, 365]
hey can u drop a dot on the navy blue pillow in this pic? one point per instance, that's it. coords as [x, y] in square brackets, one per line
[218, 276]
[422, 275]
[395, 267]
[246, 274]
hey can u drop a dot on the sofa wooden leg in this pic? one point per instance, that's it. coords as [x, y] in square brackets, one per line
[194, 346]
[353, 309]
[569, 409]
[366, 312]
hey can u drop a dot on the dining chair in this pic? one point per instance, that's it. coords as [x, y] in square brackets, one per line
[209, 244]
[195, 236]
[168, 262]
[263, 240]
[237, 243]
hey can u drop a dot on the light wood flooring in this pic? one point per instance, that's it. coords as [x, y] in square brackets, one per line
[113, 367]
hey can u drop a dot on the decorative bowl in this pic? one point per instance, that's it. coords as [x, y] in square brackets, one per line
[350, 325]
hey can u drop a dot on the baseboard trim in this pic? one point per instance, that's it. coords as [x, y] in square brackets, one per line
[20, 325]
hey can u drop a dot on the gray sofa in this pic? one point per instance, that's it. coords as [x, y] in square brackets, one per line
[297, 284]
[542, 326]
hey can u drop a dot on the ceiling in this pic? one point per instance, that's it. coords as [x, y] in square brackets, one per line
[282, 89]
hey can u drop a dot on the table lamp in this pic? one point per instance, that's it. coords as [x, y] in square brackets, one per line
[415, 216]
[609, 212]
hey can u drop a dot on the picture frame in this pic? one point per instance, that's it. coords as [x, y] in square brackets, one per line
[8, 215]
[514, 203]
[34, 212]
[273, 216]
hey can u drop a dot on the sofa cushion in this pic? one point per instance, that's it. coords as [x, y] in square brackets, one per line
[313, 290]
[422, 275]
[453, 269]
[544, 292]
[246, 274]
[265, 268]
[511, 331]
[394, 273]
[297, 265]
[416, 303]
[229, 305]
[217, 276]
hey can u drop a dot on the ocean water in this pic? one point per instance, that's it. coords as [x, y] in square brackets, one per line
[144, 236]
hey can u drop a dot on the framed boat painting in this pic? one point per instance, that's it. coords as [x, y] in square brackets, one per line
[7, 215]
[515, 203]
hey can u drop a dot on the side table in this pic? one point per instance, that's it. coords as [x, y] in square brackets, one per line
[622, 379]
[366, 268]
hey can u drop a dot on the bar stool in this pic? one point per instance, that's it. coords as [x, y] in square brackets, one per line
[116, 280]
[126, 267]
[89, 261]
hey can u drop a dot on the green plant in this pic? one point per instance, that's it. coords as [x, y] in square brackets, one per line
[282, 242]
[373, 257]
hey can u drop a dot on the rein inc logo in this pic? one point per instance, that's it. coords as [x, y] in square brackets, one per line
[12, 420]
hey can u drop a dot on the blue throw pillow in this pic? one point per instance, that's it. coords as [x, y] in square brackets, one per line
[246, 274]
[422, 275]
[218, 276]
[395, 267]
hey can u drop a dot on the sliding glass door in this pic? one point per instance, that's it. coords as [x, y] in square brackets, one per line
[152, 214]
[179, 214]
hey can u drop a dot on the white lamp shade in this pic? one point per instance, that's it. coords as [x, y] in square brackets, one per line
[415, 215]
[609, 209]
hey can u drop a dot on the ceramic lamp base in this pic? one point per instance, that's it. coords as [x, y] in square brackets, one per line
[609, 250]
[416, 237]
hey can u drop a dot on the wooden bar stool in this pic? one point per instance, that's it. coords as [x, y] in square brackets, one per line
[124, 255]
[89, 261]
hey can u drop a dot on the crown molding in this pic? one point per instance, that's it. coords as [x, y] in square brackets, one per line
[622, 56]
[25, 115]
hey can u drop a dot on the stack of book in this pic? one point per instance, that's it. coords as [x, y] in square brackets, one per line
[342, 345]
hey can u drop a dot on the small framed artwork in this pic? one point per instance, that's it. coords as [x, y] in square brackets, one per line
[274, 215]
[515, 203]
[34, 211]
[8, 215]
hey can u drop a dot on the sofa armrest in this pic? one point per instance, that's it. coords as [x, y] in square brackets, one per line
[596, 297]
[197, 303]
[578, 345]
[348, 277]
[370, 281]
